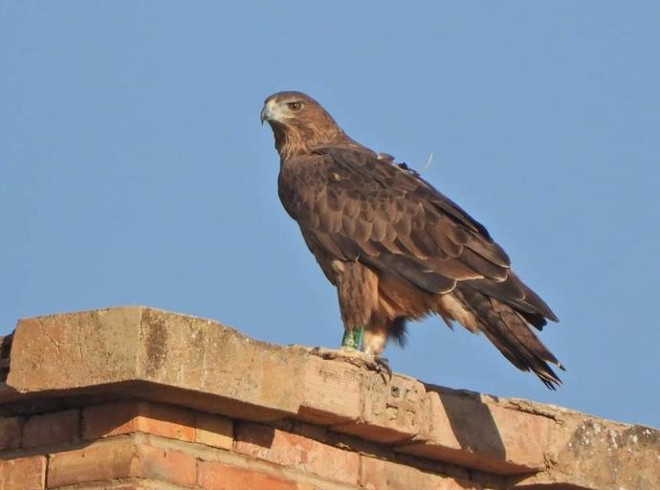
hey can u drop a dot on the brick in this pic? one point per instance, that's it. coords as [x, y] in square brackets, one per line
[126, 484]
[129, 416]
[106, 460]
[524, 436]
[220, 476]
[138, 345]
[297, 452]
[10, 432]
[214, 430]
[377, 474]
[392, 411]
[51, 428]
[129, 484]
[133, 483]
[465, 430]
[121, 487]
[23, 473]
[332, 393]
[596, 453]
[171, 466]
[121, 458]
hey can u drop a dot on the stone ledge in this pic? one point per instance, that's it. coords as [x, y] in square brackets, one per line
[196, 363]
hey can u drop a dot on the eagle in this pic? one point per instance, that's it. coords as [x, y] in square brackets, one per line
[394, 247]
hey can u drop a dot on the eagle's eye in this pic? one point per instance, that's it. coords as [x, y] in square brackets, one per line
[294, 106]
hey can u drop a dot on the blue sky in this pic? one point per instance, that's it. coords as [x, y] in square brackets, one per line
[133, 169]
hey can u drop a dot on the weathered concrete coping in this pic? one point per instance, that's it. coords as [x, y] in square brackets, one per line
[197, 363]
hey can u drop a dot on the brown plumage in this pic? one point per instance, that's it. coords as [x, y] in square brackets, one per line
[394, 247]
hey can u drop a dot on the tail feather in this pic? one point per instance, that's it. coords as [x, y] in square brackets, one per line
[508, 330]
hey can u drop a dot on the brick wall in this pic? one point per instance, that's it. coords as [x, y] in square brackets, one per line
[137, 444]
[136, 398]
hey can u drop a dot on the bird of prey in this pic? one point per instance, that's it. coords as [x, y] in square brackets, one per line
[395, 248]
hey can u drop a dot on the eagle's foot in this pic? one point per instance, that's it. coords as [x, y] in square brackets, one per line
[357, 358]
[383, 367]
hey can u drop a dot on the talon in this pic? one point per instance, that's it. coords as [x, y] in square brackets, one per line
[383, 365]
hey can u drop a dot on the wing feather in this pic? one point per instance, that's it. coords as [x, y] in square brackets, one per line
[354, 206]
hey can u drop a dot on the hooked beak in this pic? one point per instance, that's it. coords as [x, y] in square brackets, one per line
[269, 112]
[264, 114]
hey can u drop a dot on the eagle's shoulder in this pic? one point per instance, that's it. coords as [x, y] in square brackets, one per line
[380, 173]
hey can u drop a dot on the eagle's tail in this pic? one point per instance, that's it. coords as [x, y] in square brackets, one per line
[508, 330]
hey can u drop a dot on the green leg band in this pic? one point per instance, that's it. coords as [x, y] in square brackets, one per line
[352, 339]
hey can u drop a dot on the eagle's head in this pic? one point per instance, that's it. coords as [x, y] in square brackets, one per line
[299, 123]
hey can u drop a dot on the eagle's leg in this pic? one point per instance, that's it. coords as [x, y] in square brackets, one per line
[373, 344]
[357, 291]
[352, 338]
[359, 351]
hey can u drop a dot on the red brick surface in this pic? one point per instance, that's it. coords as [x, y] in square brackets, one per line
[220, 476]
[124, 417]
[170, 466]
[130, 486]
[377, 474]
[297, 452]
[214, 430]
[122, 458]
[99, 462]
[23, 473]
[51, 428]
